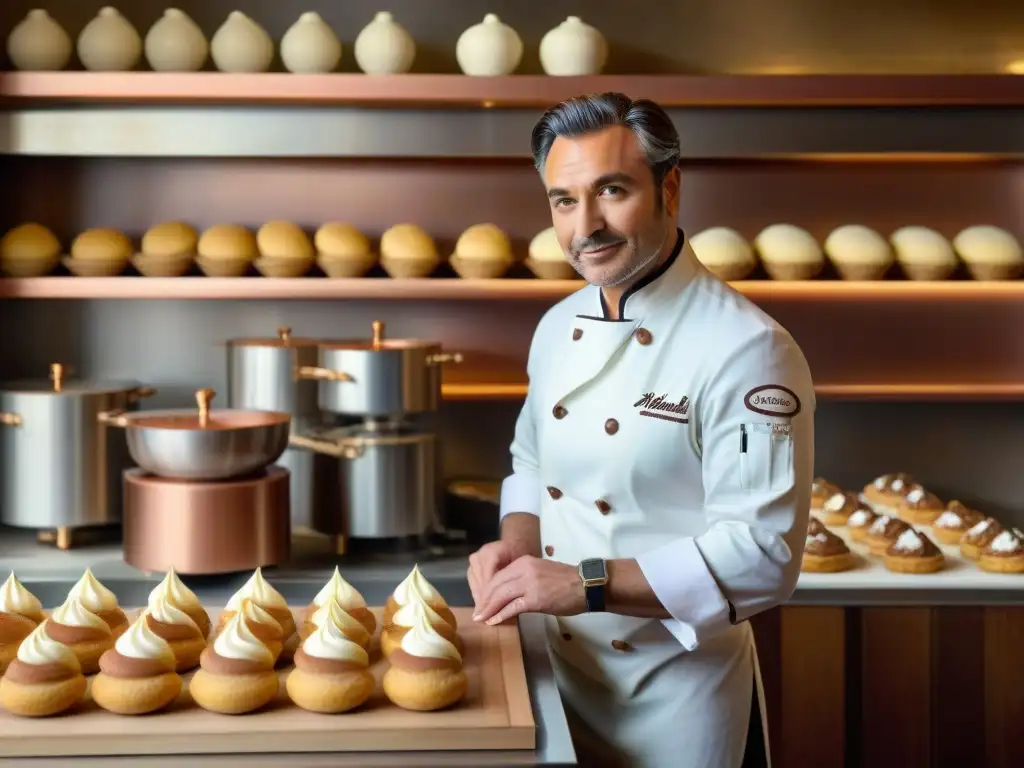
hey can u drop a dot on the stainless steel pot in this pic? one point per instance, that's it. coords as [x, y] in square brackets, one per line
[59, 469]
[388, 482]
[262, 374]
[379, 377]
[203, 445]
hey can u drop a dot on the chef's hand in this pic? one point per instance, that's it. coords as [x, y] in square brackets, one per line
[532, 585]
[486, 562]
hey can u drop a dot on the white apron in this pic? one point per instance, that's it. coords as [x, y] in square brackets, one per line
[682, 437]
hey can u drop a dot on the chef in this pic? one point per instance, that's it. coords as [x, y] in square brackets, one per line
[662, 463]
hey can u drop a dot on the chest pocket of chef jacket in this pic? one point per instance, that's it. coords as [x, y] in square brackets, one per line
[766, 456]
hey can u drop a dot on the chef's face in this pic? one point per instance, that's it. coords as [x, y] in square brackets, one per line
[610, 217]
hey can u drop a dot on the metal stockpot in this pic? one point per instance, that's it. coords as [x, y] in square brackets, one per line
[60, 469]
[388, 482]
[203, 445]
[378, 377]
[262, 374]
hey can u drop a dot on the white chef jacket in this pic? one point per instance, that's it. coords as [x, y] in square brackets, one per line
[680, 435]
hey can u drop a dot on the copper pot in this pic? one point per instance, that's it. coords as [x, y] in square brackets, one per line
[204, 445]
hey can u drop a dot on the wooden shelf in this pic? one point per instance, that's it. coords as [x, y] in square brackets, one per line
[455, 289]
[512, 91]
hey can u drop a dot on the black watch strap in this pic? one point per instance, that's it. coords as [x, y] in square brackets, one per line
[594, 575]
[595, 598]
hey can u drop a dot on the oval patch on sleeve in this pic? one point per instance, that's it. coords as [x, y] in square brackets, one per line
[772, 400]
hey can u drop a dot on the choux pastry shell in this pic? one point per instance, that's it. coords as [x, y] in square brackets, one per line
[426, 671]
[85, 633]
[137, 676]
[331, 672]
[409, 615]
[182, 635]
[44, 679]
[236, 673]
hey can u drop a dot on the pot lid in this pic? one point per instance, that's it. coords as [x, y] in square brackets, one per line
[283, 340]
[204, 418]
[57, 384]
[378, 342]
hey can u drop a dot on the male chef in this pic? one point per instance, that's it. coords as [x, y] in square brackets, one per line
[662, 462]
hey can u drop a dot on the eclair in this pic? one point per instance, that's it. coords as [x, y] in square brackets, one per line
[137, 676]
[264, 596]
[348, 598]
[175, 593]
[821, 491]
[824, 552]
[44, 678]
[236, 672]
[913, 552]
[950, 526]
[883, 532]
[81, 630]
[408, 616]
[839, 506]
[415, 585]
[1004, 554]
[858, 524]
[99, 600]
[177, 628]
[331, 672]
[332, 612]
[20, 613]
[979, 536]
[920, 507]
[884, 493]
[426, 671]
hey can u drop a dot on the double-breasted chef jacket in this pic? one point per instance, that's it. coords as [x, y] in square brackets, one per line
[680, 435]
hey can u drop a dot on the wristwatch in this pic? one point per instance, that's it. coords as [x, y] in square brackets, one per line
[594, 576]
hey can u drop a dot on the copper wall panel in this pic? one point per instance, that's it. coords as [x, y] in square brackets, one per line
[655, 36]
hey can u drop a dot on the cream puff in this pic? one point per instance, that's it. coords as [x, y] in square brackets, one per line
[348, 598]
[266, 597]
[824, 552]
[236, 672]
[821, 491]
[332, 612]
[858, 524]
[99, 600]
[262, 624]
[919, 506]
[14, 598]
[838, 508]
[44, 678]
[724, 252]
[426, 671]
[858, 252]
[408, 616]
[885, 493]
[178, 630]
[990, 253]
[1004, 554]
[415, 585]
[137, 676]
[175, 593]
[331, 672]
[979, 536]
[789, 252]
[923, 253]
[883, 532]
[950, 526]
[913, 552]
[81, 630]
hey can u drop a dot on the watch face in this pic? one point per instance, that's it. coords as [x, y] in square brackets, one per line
[592, 569]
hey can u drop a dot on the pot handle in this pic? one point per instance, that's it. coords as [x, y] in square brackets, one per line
[445, 357]
[140, 393]
[113, 419]
[320, 374]
[10, 419]
[340, 449]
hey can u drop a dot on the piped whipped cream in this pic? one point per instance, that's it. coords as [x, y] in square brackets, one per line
[344, 593]
[73, 614]
[141, 642]
[422, 640]
[835, 502]
[259, 591]
[329, 642]
[174, 591]
[39, 649]
[416, 610]
[14, 598]
[415, 585]
[93, 595]
[237, 641]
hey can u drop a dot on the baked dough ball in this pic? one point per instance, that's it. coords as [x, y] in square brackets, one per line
[227, 241]
[337, 239]
[284, 240]
[858, 252]
[545, 246]
[724, 252]
[29, 242]
[484, 241]
[923, 253]
[100, 244]
[789, 252]
[171, 238]
[990, 253]
[407, 251]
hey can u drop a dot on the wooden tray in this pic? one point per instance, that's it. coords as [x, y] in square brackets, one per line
[495, 714]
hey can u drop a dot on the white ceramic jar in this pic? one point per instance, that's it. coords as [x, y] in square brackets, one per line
[573, 48]
[176, 43]
[385, 47]
[109, 43]
[489, 49]
[241, 45]
[310, 46]
[39, 44]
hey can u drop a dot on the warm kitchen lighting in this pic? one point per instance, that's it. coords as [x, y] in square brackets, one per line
[1015, 67]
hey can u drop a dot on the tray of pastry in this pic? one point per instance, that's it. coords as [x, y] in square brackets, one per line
[895, 532]
[257, 675]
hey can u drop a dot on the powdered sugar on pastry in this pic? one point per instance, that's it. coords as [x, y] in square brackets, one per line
[908, 541]
[835, 502]
[1006, 543]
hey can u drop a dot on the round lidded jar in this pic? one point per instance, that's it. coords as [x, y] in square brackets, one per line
[262, 374]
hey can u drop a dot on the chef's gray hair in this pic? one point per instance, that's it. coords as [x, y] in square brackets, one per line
[581, 115]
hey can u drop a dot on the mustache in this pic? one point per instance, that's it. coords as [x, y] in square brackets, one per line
[600, 239]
